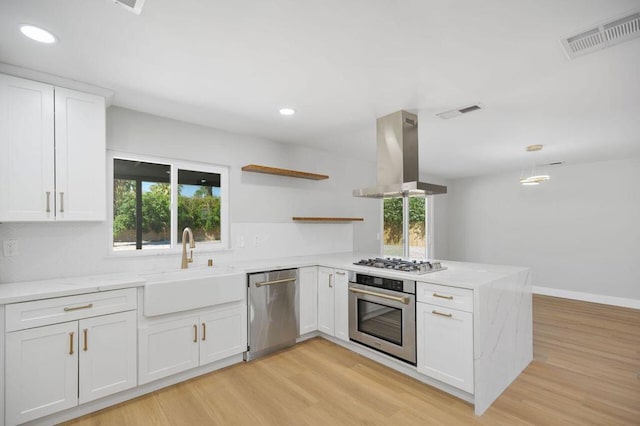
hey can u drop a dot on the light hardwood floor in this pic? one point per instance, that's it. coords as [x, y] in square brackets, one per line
[586, 371]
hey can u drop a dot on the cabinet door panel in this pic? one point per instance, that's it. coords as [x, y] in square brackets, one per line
[107, 355]
[168, 348]
[223, 333]
[445, 345]
[308, 315]
[341, 304]
[26, 150]
[41, 371]
[80, 156]
[325, 300]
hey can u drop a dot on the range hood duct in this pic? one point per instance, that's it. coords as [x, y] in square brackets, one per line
[398, 172]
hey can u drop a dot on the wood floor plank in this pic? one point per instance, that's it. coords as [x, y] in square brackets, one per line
[586, 371]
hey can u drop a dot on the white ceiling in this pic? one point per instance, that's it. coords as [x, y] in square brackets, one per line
[342, 63]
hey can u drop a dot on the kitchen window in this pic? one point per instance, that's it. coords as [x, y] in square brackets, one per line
[153, 200]
[420, 223]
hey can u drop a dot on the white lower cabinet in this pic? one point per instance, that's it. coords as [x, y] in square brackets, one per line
[445, 345]
[333, 299]
[54, 367]
[178, 343]
[326, 301]
[341, 304]
[308, 291]
[41, 371]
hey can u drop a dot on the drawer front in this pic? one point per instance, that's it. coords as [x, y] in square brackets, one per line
[37, 313]
[442, 295]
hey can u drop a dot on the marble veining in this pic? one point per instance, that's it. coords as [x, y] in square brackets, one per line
[503, 335]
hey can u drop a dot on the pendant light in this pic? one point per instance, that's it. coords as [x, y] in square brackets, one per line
[534, 177]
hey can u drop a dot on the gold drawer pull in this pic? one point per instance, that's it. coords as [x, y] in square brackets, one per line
[86, 342]
[441, 314]
[442, 297]
[71, 343]
[204, 331]
[75, 308]
[195, 333]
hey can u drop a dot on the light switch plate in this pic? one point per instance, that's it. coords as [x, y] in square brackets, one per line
[10, 248]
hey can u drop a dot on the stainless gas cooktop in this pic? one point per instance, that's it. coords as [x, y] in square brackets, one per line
[402, 265]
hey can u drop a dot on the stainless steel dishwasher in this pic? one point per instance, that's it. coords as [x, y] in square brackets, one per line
[273, 311]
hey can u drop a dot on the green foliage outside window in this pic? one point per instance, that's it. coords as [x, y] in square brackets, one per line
[201, 212]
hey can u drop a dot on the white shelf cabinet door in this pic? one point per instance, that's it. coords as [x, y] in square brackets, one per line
[445, 345]
[41, 371]
[108, 355]
[26, 150]
[223, 333]
[341, 304]
[308, 284]
[168, 348]
[326, 300]
[80, 156]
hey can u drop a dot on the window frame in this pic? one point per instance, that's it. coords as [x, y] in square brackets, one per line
[175, 165]
[430, 228]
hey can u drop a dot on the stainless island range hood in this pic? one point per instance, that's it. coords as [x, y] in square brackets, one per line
[398, 173]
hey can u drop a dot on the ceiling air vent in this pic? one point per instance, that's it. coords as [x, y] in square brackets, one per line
[134, 6]
[603, 35]
[460, 111]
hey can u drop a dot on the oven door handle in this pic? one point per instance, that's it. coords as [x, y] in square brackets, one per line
[402, 299]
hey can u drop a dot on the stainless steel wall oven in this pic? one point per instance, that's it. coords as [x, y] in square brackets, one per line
[382, 314]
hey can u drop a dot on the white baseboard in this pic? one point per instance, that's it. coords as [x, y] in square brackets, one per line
[588, 297]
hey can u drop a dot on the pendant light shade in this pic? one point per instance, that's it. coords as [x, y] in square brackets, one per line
[534, 176]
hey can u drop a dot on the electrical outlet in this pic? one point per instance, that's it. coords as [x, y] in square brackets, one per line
[240, 242]
[10, 248]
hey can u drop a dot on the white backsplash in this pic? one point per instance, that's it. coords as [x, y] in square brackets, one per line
[52, 250]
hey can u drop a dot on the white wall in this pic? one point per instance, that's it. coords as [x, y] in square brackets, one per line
[579, 232]
[260, 205]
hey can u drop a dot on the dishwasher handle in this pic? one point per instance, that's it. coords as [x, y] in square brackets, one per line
[282, 281]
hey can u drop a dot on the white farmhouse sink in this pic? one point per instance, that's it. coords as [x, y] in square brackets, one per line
[176, 291]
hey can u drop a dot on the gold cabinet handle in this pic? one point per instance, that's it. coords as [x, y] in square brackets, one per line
[441, 314]
[71, 343]
[86, 340]
[330, 276]
[340, 273]
[75, 308]
[61, 202]
[442, 297]
[204, 331]
[195, 333]
[48, 202]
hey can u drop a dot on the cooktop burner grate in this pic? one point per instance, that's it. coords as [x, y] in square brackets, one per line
[402, 265]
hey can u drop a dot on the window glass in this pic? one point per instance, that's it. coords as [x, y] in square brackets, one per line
[154, 200]
[392, 218]
[417, 228]
[199, 205]
[392, 227]
[141, 205]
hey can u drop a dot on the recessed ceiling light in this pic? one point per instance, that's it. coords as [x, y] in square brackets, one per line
[287, 111]
[38, 34]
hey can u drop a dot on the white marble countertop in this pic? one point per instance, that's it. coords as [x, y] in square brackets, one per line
[458, 274]
[33, 290]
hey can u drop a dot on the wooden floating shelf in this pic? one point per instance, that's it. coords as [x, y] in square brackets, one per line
[282, 172]
[327, 219]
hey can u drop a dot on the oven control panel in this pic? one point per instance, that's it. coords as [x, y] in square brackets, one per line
[405, 286]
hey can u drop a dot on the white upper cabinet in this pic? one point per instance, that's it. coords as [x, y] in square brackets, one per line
[52, 153]
[26, 150]
[80, 156]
